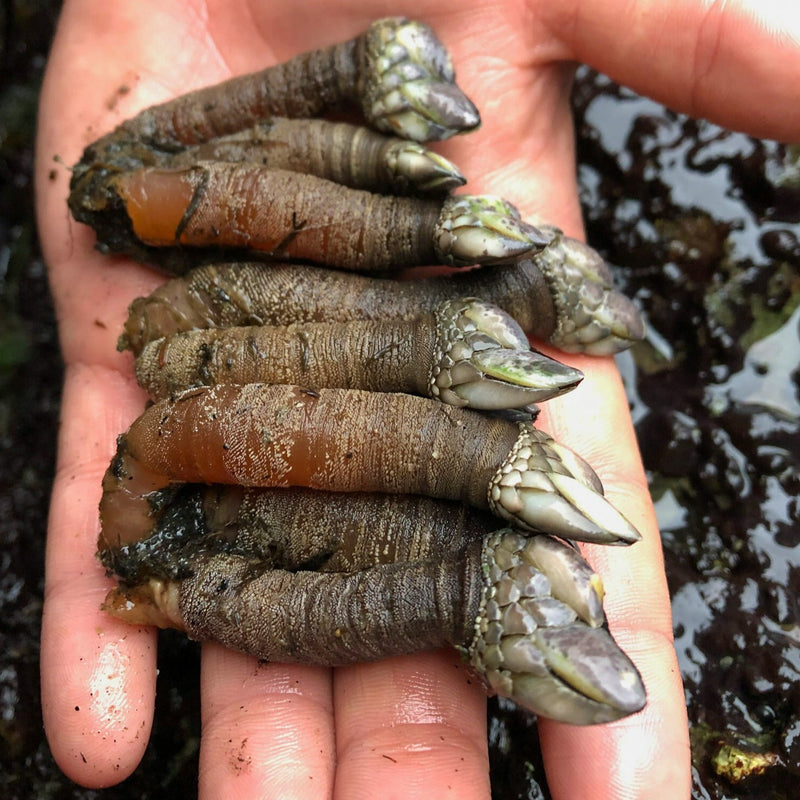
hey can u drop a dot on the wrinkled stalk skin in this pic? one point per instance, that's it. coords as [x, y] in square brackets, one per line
[304, 86]
[332, 618]
[467, 353]
[301, 87]
[347, 154]
[305, 529]
[262, 435]
[368, 71]
[228, 295]
[243, 207]
[130, 500]
[398, 72]
[351, 440]
[338, 532]
[292, 529]
[375, 356]
[528, 638]
[178, 218]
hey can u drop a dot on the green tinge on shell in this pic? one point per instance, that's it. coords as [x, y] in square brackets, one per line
[491, 320]
[409, 83]
[484, 360]
[527, 368]
[483, 229]
[590, 661]
[538, 491]
[572, 579]
[592, 316]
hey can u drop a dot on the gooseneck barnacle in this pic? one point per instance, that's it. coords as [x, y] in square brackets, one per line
[283, 390]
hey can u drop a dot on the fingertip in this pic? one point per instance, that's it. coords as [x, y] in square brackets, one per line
[415, 726]
[98, 692]
[267, 728]
[97, 674]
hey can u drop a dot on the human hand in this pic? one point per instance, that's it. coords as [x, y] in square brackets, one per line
[412, 725]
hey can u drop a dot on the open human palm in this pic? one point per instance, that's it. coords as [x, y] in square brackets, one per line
[409, 726]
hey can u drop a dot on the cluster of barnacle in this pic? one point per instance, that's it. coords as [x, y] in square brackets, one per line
[370, 392]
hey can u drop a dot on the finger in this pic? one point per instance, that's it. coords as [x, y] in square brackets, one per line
[651, 748]
[410, 727]
[98, 675]
[267, 728]
[735, 62]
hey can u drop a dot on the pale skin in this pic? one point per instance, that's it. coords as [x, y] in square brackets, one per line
[412, 726]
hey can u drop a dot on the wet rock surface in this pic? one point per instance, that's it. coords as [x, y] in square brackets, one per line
[702, 226]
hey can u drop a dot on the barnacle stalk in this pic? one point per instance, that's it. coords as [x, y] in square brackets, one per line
[466, 353]
[285, 214]
[408, 83]
[349, 532]
[525, 612]
[350, 440]
[352, 155]
[223, 295]
[398, 73]
[293, 529]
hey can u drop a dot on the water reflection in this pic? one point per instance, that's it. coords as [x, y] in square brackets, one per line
[703, 226]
